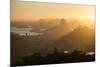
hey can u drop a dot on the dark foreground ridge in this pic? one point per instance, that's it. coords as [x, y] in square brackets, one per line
[54, 58]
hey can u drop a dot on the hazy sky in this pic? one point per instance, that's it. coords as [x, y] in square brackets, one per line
[27, 11]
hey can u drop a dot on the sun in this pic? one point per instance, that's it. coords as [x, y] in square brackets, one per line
[92, 17]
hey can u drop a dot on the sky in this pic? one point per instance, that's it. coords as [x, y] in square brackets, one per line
[28, 11]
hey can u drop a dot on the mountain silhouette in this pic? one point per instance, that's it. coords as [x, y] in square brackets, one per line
[81, 38]
[62, 29]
